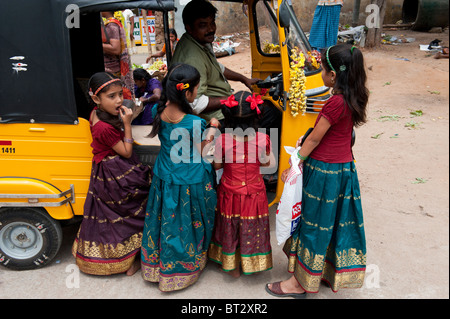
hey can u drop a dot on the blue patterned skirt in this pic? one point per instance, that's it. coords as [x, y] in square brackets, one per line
[330, 243]
[179, 221]
[325, 27]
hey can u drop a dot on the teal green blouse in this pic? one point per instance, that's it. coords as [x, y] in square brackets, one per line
[179, 161]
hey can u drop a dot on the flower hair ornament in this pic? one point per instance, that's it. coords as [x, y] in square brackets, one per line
[254, 101]
[182, 86]
[230, 101]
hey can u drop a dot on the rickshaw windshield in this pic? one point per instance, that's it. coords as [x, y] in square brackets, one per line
[297, 43]
[266, 29]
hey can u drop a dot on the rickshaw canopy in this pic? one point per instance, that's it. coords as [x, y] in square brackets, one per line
[37, 82]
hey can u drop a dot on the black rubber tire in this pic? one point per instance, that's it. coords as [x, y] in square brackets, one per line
[40, 224]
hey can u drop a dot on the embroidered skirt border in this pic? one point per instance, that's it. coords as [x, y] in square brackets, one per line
[171, 282]
[250, 263]
[99, 259]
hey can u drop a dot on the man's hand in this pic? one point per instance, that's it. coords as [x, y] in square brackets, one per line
[249, 82]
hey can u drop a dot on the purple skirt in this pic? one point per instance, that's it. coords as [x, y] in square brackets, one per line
[110, 234]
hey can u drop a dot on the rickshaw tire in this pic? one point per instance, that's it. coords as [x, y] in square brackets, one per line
[25, 225]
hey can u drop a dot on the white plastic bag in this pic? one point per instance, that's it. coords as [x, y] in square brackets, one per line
[290, 205]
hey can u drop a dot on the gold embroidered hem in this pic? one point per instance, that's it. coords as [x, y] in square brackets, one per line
[105, 259]
[172, 282]
[249, 263]
[304, 261]
[105, 269]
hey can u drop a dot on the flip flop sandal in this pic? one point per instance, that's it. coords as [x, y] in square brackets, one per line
[277, 292]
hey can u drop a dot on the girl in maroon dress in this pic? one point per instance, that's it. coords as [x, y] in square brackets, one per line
[110, 234]
[241, 236]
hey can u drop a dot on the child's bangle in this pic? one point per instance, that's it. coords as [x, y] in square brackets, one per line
[128, 140]
[303, 158]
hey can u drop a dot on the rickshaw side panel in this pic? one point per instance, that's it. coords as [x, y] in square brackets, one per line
[57, 154]
[30, 192]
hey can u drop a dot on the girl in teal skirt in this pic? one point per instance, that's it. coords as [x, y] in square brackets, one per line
[181, 205]
[329, 245]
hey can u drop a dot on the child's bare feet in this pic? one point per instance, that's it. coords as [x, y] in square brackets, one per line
[235, 273]
[134, 268]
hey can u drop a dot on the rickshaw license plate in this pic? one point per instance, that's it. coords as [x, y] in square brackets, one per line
[5, 149]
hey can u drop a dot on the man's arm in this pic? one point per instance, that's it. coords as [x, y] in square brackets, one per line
[234, 76]
[214, 102]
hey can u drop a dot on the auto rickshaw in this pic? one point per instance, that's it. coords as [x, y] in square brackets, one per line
[49, 51]
[46, 59]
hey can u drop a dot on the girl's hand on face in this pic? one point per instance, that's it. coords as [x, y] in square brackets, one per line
[126, 114]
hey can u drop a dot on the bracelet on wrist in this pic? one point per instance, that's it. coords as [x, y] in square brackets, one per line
[303, 158]
[128, 140]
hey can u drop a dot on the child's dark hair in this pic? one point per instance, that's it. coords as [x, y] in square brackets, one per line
[95, 88]
[348, 63]
[141, 74]
[197, 9]
[179, 79]
[242, 115]
[174, 32]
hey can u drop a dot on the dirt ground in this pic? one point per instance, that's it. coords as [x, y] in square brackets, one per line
[403, 167]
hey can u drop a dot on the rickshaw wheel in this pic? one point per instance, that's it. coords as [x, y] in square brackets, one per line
[29, 238]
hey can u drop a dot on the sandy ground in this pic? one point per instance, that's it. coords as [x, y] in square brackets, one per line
[403, 167]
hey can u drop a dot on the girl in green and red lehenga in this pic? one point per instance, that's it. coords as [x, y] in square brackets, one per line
[329, 244]
[241, 238]
[179, 217]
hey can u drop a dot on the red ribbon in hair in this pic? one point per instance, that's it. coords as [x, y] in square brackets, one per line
[230, 102]
[254, 102]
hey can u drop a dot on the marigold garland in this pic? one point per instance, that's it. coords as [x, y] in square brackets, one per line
[270, 47]
[314, 60]
[297, 97]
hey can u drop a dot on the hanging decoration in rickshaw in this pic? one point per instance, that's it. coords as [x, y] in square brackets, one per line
[297, 97]
[270, 48]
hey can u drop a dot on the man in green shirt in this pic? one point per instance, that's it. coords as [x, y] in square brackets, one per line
[195, 48]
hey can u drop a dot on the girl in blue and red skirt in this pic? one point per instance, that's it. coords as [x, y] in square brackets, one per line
[330, 245]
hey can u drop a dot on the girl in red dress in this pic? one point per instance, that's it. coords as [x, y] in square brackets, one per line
[109, 239]
[241, 236]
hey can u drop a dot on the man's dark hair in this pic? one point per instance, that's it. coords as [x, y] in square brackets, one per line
[197, 9]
